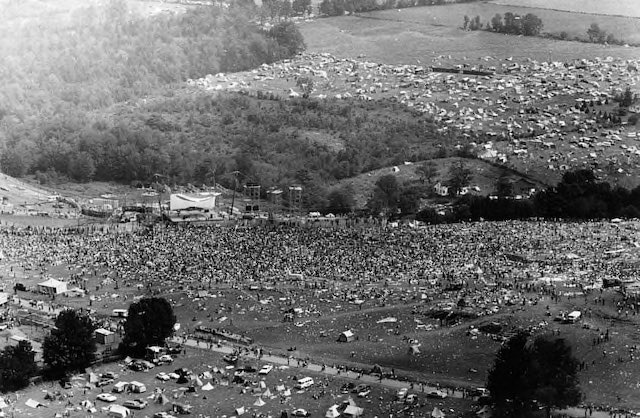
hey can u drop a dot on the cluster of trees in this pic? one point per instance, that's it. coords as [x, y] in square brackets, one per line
[509, 23]
[17, 366]
[71, 347]
[277, 10]
[529, 373]
[600, 36]
[340, 7]
[107, 54]
[578, 196]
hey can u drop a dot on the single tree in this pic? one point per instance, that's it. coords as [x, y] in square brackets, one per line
[459, 178]
[150, 321]
[504, 186]
[531, 25]
[288, 37]
[555, 372]
[465, 23]
[526, 374]
[306, 84]
[17, 366]
[409, 200]
[596, 34]
[427, 171]
[70, 347]
[386, 195]
[496, 23]
[341, 200]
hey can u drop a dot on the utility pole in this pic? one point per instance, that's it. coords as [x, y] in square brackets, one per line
[233, 196]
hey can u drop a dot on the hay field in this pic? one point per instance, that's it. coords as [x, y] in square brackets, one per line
[575, 24]
[630, 8]
[405, 37]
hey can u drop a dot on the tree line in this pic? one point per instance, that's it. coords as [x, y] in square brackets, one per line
[578, 196]
[509, 23]
[340, 7]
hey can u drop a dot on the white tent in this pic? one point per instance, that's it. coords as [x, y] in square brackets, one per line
[52, 287]
[353, 411]
[202, 201]
[118, 411]
[259, 402]
[240, 411]
[332, 412]
[267, 393]
[437, 413]
[208, 386]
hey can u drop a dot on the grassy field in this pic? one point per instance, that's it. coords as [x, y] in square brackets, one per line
[405, 37]
[575, 24]
[629, 8]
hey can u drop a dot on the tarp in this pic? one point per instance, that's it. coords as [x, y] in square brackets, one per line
[32, 403]
[182, 201]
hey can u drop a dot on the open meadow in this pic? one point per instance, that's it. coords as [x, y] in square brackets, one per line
[629, 8]
[396, 38]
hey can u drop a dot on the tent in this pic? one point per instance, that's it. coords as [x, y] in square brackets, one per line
[414, 349]
[332, 412]
[52, 287]
[240, 411]
[161, 399]
[346, 336]
[437, 413]
[32, 403]
[118, 411]
[485, 412]
[353, 411]
[267, 393]
[208, 386]
[259, 402]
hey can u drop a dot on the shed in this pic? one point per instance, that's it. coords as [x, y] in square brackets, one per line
[346, 336]
[104, 336]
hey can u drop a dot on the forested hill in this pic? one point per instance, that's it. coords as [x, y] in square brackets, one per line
[196, 137]
[105, 54]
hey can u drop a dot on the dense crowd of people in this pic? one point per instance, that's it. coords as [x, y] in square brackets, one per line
[501, 252]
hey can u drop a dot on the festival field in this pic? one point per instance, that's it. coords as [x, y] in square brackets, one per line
[485, 281]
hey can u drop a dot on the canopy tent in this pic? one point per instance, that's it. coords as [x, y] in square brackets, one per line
[52, 287]
[205, 201]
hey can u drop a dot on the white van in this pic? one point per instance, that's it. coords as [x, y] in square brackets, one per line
[304, 383]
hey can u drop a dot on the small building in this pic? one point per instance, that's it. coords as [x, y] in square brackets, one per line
[52, 287]
[346, 336]
[104, 336]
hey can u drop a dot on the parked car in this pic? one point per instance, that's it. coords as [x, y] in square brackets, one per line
[436, 394]
[411, 399]
[402, 393]
[163, 359]
[135, 404]
[163, 376]
[106, 397]
[104, 382]
[300, 413]
[230, 358]
[266, 369]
